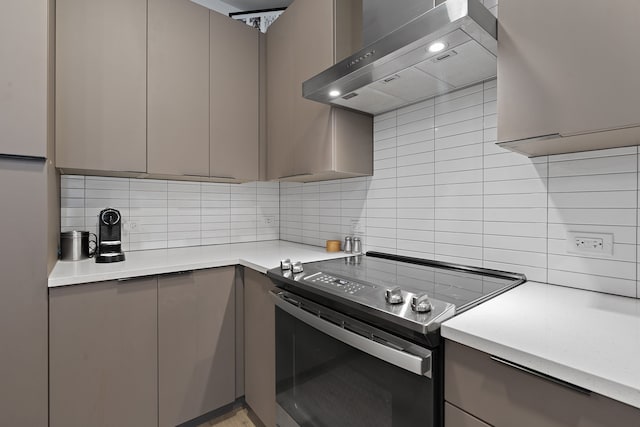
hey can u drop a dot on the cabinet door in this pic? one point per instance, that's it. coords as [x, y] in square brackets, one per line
[504, 396]
[259, 347]
[312, 121]
[103, 362]
[196, 344]
[23, 77]
[234, 99]
[575, 76]
[280, 96]
[101, 85]
[178, 93]
[454, 417]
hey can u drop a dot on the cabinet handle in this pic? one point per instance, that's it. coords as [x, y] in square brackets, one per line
[294, 175]
[177, 273]
[22, 157]
[224, 177]
[129, 279]
[542, 376]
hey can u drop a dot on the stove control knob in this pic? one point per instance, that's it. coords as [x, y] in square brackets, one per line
[393, 295]
[296, 267]
[420, 303]
[285, 264]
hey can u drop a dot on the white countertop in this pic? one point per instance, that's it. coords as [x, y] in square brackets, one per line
[260, 256]
[585, 338]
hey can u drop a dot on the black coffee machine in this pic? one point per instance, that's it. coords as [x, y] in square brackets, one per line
[109, 236]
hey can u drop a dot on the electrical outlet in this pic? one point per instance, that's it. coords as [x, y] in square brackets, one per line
[589, 243]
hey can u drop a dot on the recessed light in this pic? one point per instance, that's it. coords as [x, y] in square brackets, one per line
[437, 47]
[334, 93]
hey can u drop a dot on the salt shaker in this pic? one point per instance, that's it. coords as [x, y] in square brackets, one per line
[357, 245]
[348, 245]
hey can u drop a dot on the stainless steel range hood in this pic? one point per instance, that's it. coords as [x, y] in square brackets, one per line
[405, 67]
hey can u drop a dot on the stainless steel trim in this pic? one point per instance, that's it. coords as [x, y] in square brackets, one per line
[405, 47]
[541, 375]
[402, 359]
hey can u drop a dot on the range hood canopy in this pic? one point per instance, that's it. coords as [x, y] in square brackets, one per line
[408, 65]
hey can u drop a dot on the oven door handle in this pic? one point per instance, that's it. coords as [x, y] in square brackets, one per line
[410, 362]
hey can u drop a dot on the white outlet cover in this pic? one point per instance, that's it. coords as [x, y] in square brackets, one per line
[607, 244]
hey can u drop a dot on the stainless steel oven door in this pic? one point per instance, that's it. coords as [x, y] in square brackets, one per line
[334, 371]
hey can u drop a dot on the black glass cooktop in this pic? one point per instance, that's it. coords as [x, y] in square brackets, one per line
[362, 286]
[455, 284]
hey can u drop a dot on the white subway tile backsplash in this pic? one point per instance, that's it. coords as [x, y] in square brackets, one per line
[443, 189]
[163, 214]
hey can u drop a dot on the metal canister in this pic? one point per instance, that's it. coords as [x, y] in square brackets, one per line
[357, 245]
[348, 245]
[76, 245]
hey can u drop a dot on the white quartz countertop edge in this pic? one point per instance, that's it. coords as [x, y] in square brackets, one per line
[604, 356]
[259, 256]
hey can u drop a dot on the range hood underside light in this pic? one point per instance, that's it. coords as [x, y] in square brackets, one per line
[402, 70]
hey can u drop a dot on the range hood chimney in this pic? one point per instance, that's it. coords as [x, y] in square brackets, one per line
[411, 54]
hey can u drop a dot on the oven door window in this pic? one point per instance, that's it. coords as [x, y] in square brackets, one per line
[322, 382]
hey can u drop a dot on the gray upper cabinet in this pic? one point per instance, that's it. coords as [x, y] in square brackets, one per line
[100, 85]
[196, 347]
[234, 99]
[566, 73]
[309, 141]
[178, 88]
[24, 42]
[477, 387]
[103, 355]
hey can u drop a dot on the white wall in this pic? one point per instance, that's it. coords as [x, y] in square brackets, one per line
[443, 189]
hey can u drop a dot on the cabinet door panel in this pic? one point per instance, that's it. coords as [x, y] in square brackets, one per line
[196, 343]
[178, 88]
[503, 396]
[567, 81]
[312, 125]
[259, 346]
[454, 417]
[103, 354]
[23, 77]
[101, 91]
[280, 96]
[234, 99]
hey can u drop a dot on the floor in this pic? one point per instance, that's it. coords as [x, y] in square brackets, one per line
[240, 418]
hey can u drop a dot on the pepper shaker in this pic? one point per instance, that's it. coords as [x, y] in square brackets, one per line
[348, 245]
[357, 245]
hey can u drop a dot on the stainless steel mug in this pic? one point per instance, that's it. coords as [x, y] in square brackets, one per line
[77, 245]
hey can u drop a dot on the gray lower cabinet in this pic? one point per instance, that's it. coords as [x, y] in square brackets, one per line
[455, 417]
[259, 347]
[103, 354]
[196, 343]
[504, 396]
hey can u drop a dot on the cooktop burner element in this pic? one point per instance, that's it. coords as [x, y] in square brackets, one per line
[399, 293]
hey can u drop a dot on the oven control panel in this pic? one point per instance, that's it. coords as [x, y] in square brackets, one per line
[346, 286]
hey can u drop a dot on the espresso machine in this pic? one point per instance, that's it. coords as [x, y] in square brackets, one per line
[109, 236]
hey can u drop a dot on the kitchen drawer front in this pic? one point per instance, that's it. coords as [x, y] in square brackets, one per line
[505, 396]
[454, 417]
